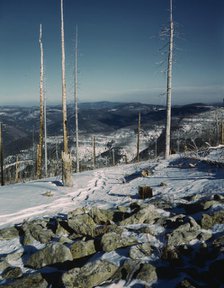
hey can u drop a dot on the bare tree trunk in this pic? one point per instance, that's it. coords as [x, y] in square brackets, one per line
[76, 100]
[66, 159]
[1, 157]
[94, 152]
[138, 136]
[40, 151]
[45, 135]
[113, 157]
[17, 170]
[169, 84]
[64, 105]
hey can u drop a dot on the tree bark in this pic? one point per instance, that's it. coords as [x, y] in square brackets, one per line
[1, 157]
[138, 136]
[40, 152]
[76, 100]
[169, 84]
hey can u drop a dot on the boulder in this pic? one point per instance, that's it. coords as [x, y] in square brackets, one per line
[90, 275]
[3, 264]
[147, 214]
[8, 233]
[140, 251]
[101, 216]
[34, 280]
[51, 254]
[147, 273]
[112, 241]
[82, 224]
[12, 273]
[81, 249]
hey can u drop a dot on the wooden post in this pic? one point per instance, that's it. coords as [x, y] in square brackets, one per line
[76, 100]
[40, 151]
[94, 152]
[138, 136]
[169, 84]
[1, 157]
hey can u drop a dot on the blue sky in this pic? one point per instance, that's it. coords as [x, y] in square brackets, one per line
[119, 50]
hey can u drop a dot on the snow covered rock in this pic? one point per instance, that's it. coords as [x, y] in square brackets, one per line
[34, 280]
[81, 249]
[82, 224]
[12, 273]
[8, 233]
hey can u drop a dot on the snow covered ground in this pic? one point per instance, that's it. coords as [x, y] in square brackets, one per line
[171, 180]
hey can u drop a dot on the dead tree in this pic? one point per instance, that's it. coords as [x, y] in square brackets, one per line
[138, 136]
[41, 132]
[169, 83]
[17, 170]
[66, 158]
[94, 152]
[1, 157]
[76, 100]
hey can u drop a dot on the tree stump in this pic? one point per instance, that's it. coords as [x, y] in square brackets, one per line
[145, 192]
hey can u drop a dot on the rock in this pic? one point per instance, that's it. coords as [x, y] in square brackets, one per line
[14, 256]
[171, 254]
[146, 215]
[82, 224]
[103, 229]
[218, 197]
[8, 233]
[12, 273]
[163, 184]
[101, 216]
[128, 269]
[112, 241]
[147, 273]
[186, 283]
[37, 230]
[140, 251]
[32, 280]
[184, 233]
[90, 275]
[51, 254]
[3, 264]
[81, 249]
[219, 242]
[206, 221]
[145, 192]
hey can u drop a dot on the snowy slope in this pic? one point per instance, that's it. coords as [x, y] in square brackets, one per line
[180, 177]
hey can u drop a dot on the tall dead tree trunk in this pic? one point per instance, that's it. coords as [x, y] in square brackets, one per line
[66, 158]
[169, 84]
[138, 136]
[41, 133]
[94, 152]
[45, 136]
[76, 100]
[17, 170]
[1, 157]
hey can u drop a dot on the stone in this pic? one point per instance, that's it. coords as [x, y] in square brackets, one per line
[145, 192]
[34, 280]
[186, 283]
[206, 221]
[51, 254]
[90, 275]
[112, 241]
[184, 233]
[12, 273]
[3, 264]
[8, 233]
[140, 251]
[14, 256]
[147, 273]
[146, 215]
[81, 249]
[101, 216]
[82, 224]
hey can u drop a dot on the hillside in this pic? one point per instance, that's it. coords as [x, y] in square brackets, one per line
[138, 240]
[114, 126]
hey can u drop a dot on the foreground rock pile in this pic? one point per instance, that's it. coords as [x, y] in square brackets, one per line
[147, 244]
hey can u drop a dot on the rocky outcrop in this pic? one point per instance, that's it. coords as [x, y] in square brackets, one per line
[81, 248]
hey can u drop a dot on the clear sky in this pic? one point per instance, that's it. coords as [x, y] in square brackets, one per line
[120, 50]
